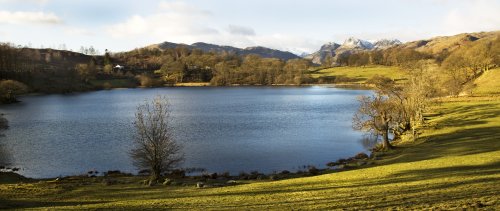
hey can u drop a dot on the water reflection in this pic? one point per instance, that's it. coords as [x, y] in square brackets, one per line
[369, 140]
[5, 159]
[221, 128]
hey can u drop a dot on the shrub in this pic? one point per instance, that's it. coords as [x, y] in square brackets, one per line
[10, 89]
[285, 172]
[274, 177]
[226, 174]
[331, 164]
[148, 81]
[254, 175]
[341, 161]
[178, 173]
[214, 176]
[243, 175]
[313, 170]
[361, 156]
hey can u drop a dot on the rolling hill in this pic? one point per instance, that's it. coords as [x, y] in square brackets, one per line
[207, 47]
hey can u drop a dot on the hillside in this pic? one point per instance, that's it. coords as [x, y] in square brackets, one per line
[437, 45]
[206, 47]
[488, 83]
[45, 70]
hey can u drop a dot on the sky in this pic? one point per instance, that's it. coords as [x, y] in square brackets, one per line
[297, 26]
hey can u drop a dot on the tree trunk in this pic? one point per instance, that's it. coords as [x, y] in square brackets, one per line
[155, 175]
[386, 143]
[385, 131]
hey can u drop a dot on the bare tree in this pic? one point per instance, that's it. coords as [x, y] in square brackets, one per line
[155, 147]
[375, 115]
[410, 99]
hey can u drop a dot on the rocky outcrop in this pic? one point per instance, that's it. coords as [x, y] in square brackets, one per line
[386, 43]
[326, 50]
[351, 45]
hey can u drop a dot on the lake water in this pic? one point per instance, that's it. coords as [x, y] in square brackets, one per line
[221, 129]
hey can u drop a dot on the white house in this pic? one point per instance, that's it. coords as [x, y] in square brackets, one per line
[118, 67]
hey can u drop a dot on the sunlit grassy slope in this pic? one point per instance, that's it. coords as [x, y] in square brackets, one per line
[360, 74]
[455, 163]
[488, 83]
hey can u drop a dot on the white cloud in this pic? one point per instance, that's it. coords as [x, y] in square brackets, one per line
[28, 17]
[26, 1]
[181, 7]
[294, 44]
[78, 31]
[241, 30]
[174, 21]
[184, 23]
[480, 15]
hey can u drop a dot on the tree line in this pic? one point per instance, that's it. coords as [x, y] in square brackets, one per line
[56, 71]
[181, 64]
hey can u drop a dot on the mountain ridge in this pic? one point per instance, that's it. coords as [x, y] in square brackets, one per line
[264, 52]
[331, 51]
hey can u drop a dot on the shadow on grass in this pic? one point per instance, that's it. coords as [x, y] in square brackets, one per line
[462, 142]
[329, 195]
[26, 204]
[429, 192]
[467, 115]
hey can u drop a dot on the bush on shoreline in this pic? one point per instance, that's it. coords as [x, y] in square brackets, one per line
[10, 89]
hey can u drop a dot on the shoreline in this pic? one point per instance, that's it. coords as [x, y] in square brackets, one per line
[351, 86]
[360, 159]
[357, 161]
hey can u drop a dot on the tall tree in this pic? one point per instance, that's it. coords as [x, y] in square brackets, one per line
[155, 147]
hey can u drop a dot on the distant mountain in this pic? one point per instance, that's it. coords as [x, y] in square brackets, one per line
[207, 47]
[386, 43]
[304, 54]
[269, 53]
[326, 50]
[355, 43]
[351, 45]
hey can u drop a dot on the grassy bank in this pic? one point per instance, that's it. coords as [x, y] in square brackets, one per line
[356, 75]
[454, 163]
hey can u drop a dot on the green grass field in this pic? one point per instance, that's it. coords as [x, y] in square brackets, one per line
[454, 164]
[358, 75]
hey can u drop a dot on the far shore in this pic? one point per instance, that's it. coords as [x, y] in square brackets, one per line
[360, 86]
